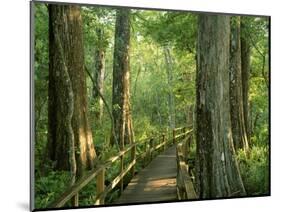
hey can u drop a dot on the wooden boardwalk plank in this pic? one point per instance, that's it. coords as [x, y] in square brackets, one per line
[156, 182]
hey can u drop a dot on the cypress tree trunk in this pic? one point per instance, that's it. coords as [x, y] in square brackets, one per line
[121, 109]
[171, 98]
[99, 70]
[245, 69]
[217, 169]
[236, 96]
[66, 79]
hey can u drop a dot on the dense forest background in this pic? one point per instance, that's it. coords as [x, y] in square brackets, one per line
[162, 89]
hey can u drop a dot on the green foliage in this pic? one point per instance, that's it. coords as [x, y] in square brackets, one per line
[48, 188]
[41, 67]
[97, 28]
[144, 128]
[41, 142]
[97, 21]
[88, 194]
[254, 166]
[169, 28]
[254, 170]
[259, 110]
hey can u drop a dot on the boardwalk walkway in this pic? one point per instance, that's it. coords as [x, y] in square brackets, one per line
[166, 178]
[155, 183]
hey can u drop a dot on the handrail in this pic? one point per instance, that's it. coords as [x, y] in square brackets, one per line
[181, 128]
[73, 190]
[183, 134]
[100, 198]
[99, 171]
[177, 129]
[185, 188]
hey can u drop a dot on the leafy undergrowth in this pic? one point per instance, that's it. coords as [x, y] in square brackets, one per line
[88, 194]
[255, 170]
[48, 188]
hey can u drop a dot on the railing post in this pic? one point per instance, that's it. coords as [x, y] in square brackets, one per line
[122, 165]
[160, 142]
[179, 177]
[100, 186]
[133, 157]
[174, 136]
[151, 148]
[121, 170]
[75, 200]
[146, 154]
[188, 143]
[184, 131]
[163, 140]
[184, 143]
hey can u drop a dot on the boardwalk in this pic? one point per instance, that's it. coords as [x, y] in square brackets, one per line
[156, 182]
[165, 179]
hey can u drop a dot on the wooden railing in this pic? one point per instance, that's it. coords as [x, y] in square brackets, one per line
[185, 187]
[150, 147]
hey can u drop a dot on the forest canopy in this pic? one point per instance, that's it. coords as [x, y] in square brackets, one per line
[108, 77]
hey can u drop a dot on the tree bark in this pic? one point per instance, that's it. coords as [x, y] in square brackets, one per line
[66, 79]
[171, 98]
[189, 115]
[99, 70]
[158, 111]
[239, 132]
[245, 69]
[217, 169]
[121, 108]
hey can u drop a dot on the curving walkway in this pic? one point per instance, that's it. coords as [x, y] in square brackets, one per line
[155, 183]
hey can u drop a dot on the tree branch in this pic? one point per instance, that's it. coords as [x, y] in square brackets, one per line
[106, 106]
[262, 55]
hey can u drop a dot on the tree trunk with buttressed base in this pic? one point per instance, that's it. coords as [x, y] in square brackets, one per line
[70, 141]
[217, 173]
[239, 132]
[121, 108]
[245, 69]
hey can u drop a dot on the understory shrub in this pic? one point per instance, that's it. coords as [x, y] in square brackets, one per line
[47, 188]
[254, 169]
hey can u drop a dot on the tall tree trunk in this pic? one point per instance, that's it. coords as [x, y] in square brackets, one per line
[171, 98]
[189, 115]
[67, 102]
[239, 132]
[99, 70]
[217, 169]
[121, 108]
[245, 70]
[158, 103]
